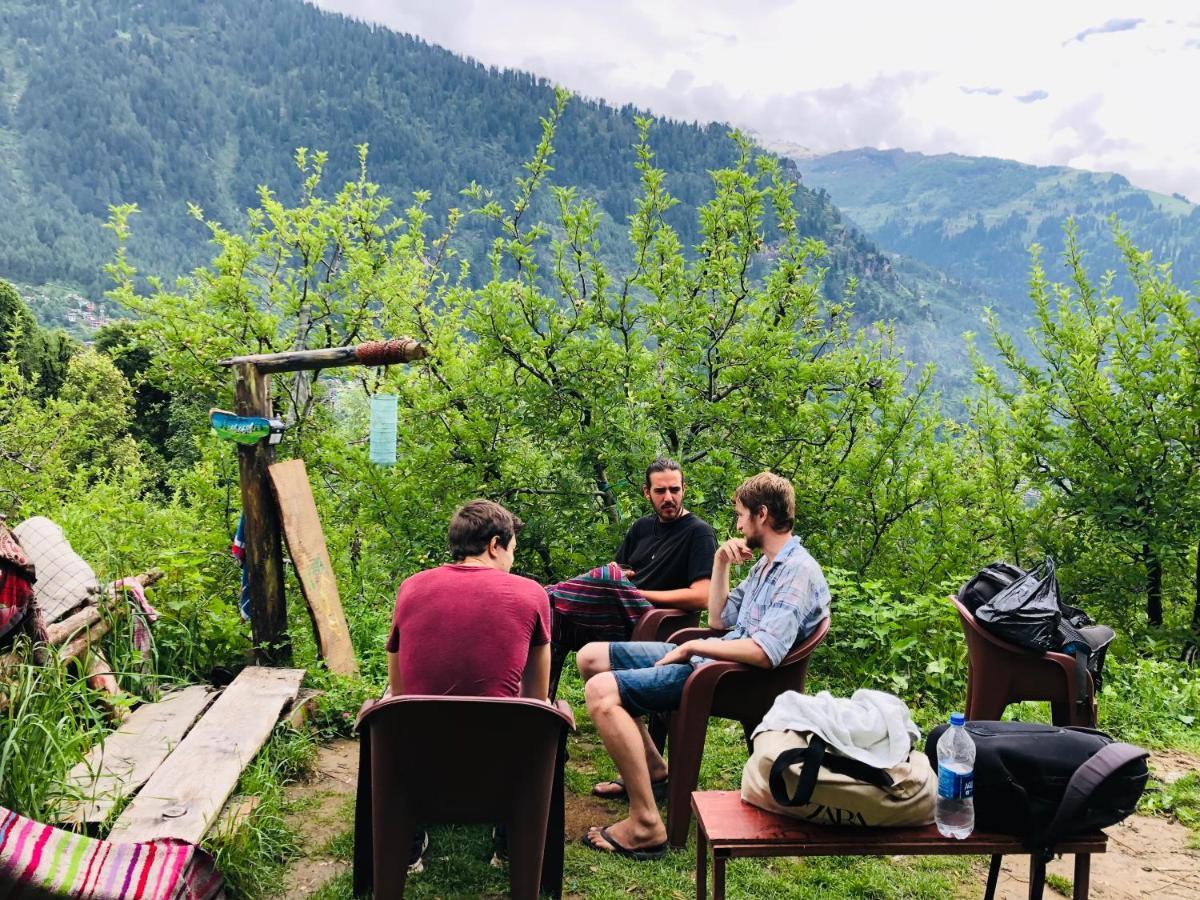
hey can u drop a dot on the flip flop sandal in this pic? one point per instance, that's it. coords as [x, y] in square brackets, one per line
[657, 851]
[659, 788]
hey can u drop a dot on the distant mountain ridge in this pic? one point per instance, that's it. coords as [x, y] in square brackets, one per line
[975, 217]
[164, 103]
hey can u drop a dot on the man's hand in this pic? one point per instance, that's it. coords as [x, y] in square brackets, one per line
[734, 552]
[628, 573]
[680, 654]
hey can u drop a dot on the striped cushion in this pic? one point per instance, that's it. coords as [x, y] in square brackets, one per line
[38, 861]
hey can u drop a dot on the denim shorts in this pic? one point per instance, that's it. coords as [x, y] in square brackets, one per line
[644, 687]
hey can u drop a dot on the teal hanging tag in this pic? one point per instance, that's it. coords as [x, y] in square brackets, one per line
[383, 429]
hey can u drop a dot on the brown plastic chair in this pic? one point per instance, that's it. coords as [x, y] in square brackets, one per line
[1000, 673]
[465, 760]
[724, 690]
[660, 623]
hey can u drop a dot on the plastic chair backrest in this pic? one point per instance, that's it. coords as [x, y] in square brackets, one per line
[462, 759]
[808, 645]
[976, 633]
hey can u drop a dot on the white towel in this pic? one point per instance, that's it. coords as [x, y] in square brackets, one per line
[871, 726]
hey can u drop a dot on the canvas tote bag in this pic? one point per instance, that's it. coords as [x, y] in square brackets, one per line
[791, 773]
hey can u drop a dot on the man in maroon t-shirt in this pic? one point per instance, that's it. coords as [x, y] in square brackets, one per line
[470, 628]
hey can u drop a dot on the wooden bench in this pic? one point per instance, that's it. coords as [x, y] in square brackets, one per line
[735, 829]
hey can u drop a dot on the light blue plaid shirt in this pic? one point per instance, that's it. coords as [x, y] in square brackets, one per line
[778, 602]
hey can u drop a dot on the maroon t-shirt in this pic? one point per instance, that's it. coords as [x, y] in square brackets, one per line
[467, 630]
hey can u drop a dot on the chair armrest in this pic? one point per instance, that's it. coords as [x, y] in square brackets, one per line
[694, 634]
[1067, 664]
[701, 686]
[647, 626]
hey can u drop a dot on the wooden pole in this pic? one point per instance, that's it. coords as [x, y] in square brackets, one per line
[264, 551]
[371, 353]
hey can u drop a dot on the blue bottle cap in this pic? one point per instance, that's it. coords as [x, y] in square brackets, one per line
[957, 719]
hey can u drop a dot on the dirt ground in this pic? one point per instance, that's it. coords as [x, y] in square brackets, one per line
[1147, 856]
[324, 804]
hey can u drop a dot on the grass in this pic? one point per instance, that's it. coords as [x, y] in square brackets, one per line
[253, 857]
[49, 719]
[1180, 799]
[457, 862]
[1060, 884]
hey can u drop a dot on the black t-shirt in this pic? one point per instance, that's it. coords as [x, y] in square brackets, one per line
[667, 556]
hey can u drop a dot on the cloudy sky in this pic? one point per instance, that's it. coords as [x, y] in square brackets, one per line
[1098, 85]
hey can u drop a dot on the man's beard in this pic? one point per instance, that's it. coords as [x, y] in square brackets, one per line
[754, 541]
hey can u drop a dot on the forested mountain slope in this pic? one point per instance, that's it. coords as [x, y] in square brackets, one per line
[166, 102]
[975, 217]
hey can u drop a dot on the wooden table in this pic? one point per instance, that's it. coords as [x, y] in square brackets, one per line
[735, 829]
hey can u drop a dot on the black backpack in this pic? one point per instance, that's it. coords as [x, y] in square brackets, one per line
[989, 582]
[1043, 783]
[1024, 608]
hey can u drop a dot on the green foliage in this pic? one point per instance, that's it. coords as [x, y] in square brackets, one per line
[909, 645]
[40, 356]
[1103, 422]
[551, 377]
[1179, 799]
[1152, 702]
[252, 856]
[49, 718]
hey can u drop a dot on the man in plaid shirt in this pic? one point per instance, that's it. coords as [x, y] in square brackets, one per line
[779, 604]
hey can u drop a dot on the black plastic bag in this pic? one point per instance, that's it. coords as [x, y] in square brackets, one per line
[1026, 613]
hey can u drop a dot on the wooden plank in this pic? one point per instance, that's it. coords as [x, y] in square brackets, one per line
[128, 757]
[183, 798]
[306, 546]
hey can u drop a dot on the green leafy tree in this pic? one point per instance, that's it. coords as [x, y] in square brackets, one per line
[1104, 418]
[42, 356]
[551, 384]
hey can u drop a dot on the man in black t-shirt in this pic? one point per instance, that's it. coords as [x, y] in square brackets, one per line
[665, 560]
[669, 553]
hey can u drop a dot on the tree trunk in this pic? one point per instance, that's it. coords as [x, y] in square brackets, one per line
[1154, 585]
[606, 493]
[1196, 605]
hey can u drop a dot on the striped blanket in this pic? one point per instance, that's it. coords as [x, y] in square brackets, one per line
[38, 862]
[602, 605]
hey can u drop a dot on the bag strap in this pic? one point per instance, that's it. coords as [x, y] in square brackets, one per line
[812, 758]
[1081, 680]
[1087, 778]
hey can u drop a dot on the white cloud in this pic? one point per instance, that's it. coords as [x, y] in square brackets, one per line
[1074, 83]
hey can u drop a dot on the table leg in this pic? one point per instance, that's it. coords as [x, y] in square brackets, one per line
[993, 877]
[718, 875]
[701, 862]
[1037, 877]
[1083, 876]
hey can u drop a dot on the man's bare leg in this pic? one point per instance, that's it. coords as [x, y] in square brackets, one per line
[620, 733]
[592, 659]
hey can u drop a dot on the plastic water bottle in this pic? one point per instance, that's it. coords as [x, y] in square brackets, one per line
[955, 808]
